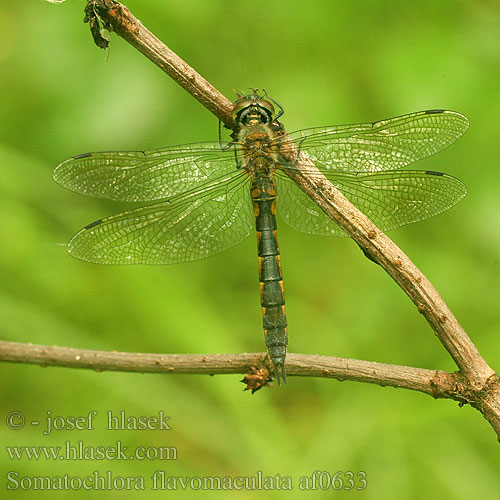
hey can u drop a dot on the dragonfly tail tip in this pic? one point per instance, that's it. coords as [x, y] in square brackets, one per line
[279, 370]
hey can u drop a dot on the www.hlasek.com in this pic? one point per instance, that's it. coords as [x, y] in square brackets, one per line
[318, 480]
[79, 451]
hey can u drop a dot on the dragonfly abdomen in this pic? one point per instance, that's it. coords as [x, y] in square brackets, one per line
[263, 191]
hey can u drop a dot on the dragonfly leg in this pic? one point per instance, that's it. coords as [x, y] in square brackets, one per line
[281, 110]
[221, 142]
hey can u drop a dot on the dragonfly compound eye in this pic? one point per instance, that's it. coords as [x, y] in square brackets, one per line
[267, 107]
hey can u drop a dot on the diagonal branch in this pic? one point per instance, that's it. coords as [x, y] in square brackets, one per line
[397, 264]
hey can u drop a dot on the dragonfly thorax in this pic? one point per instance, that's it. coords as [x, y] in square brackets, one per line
[259, 148]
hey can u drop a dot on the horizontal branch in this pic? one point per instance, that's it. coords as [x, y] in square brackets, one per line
[436, 383]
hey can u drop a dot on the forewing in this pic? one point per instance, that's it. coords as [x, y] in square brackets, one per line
[184, 228]
[389, 199]
[145, 175]
[383, 145]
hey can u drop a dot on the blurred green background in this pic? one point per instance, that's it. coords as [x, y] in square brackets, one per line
[326, 63]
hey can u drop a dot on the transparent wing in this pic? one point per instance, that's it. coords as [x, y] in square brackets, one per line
[384, 145]
[145, 175]
[187, 227]
[389, 199]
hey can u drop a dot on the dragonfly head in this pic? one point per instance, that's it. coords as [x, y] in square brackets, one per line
[253, 109]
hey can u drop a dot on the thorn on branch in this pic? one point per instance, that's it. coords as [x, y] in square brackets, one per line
[257, 379]
[368, 254]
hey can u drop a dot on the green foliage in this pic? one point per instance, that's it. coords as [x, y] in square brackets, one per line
[326, 63]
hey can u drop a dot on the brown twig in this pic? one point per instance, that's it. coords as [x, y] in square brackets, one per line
[476, 383]
[435, 383]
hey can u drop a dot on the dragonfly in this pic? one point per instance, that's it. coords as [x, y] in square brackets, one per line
[207, 197]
